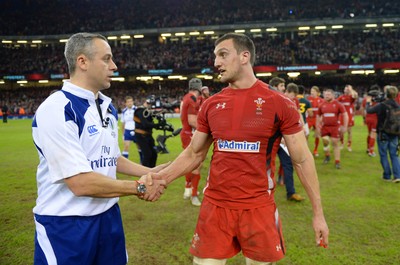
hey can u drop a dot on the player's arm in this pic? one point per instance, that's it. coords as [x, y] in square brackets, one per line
[97, 185]
[318, 125]
[93, 184]
[304, 164]
[354, 94]
[192, 120]
[345, 120]
[189, 159]
[309, 110]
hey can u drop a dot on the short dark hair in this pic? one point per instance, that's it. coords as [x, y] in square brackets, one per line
[292, 88]
[241, 43]
[275, 81]
[301, 89]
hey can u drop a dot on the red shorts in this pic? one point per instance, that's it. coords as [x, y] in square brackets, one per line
[371, 124]
[351, 120]
[222, 233]
[312, 122]
[332, 131]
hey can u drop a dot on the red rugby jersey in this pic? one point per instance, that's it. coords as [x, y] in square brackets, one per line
[246, 126]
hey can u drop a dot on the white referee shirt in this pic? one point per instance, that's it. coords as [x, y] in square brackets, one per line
[68, 134]
[127, 118]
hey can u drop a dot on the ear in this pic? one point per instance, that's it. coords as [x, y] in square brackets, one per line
[245, 57]
[82, 62]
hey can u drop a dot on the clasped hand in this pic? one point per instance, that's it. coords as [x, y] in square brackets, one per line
[155, 187]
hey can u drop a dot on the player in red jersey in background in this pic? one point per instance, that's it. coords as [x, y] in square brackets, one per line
[348, 100]
[245, 123]
[371, 120]
[315, 100]
[328, 125]
[189, 110]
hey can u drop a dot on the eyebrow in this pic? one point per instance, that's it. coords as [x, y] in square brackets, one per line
[221, 50]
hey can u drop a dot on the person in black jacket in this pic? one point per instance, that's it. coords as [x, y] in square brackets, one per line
[144, 133]
[4, 109]
[387, 143]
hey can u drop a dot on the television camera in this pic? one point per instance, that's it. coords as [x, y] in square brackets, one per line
[377, 96]
[157, 111]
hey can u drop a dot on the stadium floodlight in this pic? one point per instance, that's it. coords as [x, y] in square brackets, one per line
[337, 26]
[36, 41]
[138, 36]
[304, 28]
[165, 34]
[317, 73]
[388, 25]
[208, 77]
[371, 25]
[120, 79]
[2, 82]
[255, 30]
[178, 34]
[43, 81]
[22, 41]
[358, 72]
[240, 31]
[320, 27]
[194, 33]
[143, 78]
[293, 74]
[263, 74]
[209, 32]
[6, 41]
[391, 71]
[174, 77]
[271, 29]
[125, 37]
[112, 37]
[368, 72]
[22, 82]
[63, 40]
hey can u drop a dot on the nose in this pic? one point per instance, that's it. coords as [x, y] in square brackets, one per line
[217, 64]
[113, 66]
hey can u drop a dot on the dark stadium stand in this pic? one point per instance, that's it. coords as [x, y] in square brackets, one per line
[357, 45]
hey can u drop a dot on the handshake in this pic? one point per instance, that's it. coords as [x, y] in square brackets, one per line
[150, 187]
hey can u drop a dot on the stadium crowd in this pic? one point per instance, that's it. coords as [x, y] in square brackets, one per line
[65, 17]
[345, 47]
[351, 46]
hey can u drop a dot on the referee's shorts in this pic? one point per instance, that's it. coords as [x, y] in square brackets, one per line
[80, 240]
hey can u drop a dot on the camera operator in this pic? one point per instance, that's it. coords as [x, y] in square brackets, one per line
[144, 133]
[387, 143]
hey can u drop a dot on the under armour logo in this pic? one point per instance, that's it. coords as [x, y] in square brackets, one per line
[221, 105]
[278, 247]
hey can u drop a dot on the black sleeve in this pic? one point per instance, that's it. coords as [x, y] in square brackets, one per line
[373, 109]
[141, 121]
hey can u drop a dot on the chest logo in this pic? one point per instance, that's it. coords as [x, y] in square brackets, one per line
[221, 105]
[259, 103]
[238, 146]
[92, 130]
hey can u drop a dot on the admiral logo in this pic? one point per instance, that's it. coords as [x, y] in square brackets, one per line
[241, 147]
[92, 130]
